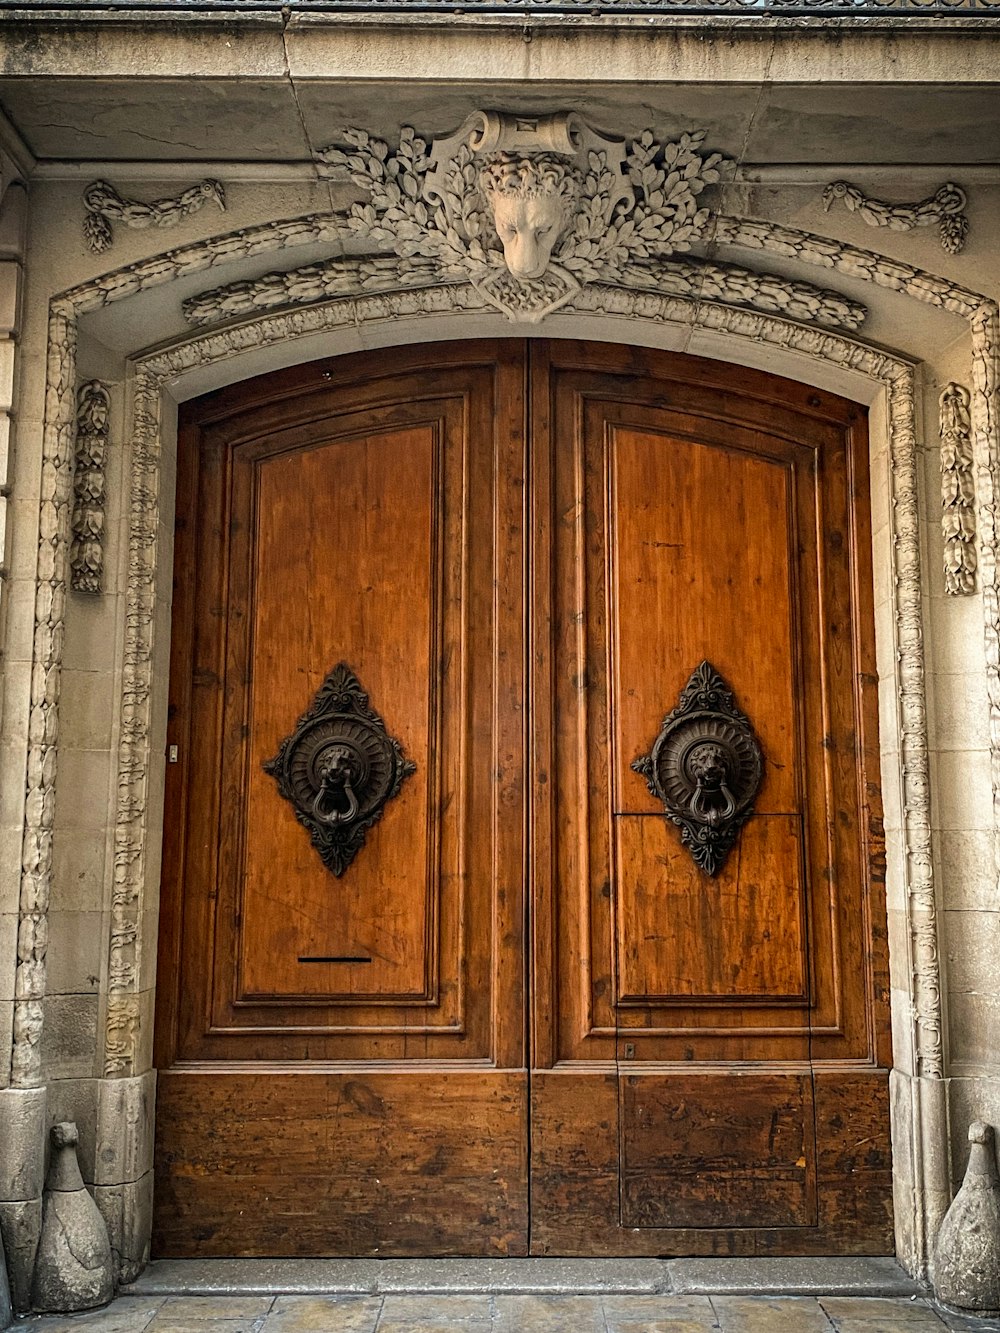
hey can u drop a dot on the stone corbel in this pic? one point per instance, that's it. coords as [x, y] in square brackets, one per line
[946, 207]
[958, 495]
[87, 552]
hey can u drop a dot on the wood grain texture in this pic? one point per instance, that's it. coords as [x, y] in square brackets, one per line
[371, 1163]
[523, 549]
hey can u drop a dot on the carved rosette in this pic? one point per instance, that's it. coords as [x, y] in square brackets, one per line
[706, 766]
[339, 768]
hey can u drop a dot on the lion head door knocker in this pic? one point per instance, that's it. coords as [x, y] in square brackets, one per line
[706, 766]
[339, 768]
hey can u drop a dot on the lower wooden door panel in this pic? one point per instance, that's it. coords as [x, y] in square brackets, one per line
[363, 1163]
[699, 1164]
[521, 1018]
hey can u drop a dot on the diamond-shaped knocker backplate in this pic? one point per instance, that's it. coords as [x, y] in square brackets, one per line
[706, 766]
[339, 768]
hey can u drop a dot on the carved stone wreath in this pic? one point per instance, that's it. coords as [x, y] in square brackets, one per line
[339, 768]
[706, 766]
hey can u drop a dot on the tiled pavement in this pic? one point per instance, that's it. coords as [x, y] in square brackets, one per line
[562, 1313]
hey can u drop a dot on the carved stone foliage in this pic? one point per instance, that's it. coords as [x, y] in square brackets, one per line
[87, 551]
[339, 768]
[528, 209]
[105, 205]
[958, 491]
[706, 766]
[946, 207]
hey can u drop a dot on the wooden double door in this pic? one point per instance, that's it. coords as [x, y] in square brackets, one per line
[522, 1019]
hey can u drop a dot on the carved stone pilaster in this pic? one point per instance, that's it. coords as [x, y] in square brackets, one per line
[958, 492]
[87, 551]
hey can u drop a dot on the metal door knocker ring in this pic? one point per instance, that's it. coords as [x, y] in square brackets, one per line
[706, 766]
[706, 762]
[339, 768]
[335, 801]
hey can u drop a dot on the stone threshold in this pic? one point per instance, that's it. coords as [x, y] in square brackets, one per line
[580, 1277]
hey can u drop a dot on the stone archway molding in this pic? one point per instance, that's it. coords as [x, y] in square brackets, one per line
[925, 1140]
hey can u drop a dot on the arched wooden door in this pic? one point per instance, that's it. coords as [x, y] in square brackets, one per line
[437, 976]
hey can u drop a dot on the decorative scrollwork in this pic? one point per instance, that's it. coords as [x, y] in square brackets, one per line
[706, 766]
[339, 768]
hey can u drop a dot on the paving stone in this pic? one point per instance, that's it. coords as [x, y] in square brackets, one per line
[651, 1314]
[128, 1314]
[216, 1307]
[872, 1310]
[324, 1314]
[423, 1310]
[769, 1314]
[165, 1323]
[548, 1314]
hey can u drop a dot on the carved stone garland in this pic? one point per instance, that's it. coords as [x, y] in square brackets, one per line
[529, 210]
[87, 552]
[104, 204]
[958, 492]
[946, 207]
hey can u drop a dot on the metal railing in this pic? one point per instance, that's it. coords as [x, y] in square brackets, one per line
[748, 9]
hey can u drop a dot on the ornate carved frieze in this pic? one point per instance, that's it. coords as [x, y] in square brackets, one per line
[946, 207]
[87, 551]
[105, 205]
[529, 211]
[339, 768]
[706, 766]
[958, 491]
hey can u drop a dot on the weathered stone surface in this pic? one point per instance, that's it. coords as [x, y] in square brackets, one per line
[966, 1265]
[5, 1307]
[20, 1225]
[73, 1268]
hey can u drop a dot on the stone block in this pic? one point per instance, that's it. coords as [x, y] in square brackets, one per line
[69, 1036]
[125, 1129]
[127, 1210]
[966, 869]
[20, 1226]
[78, 864]
[77, 945]
[83, 789]
[971, 946]
[973, 1024]
[8, 953]
[6, 1040]
[22, 1132]
[86, 709]
[961, 789]
[961, 711]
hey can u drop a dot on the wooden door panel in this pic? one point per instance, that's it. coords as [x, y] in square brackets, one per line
[372, 1163]
[361, 562]
[704, 1150]
[735, 938]
[345, 512]
[700, 514]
